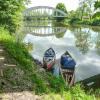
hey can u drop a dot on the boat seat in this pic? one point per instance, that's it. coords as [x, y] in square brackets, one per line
[47, 59]
[68, 76]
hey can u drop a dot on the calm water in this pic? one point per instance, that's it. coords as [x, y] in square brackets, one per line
[83, 43]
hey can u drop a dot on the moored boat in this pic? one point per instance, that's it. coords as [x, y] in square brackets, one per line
[49, 59]
[68, 68]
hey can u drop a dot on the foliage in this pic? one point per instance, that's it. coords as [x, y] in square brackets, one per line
[85, 8]
[27, 75]
[85, 22]
[79, 94]
[96, 22]
[73, 14]
[10, 13]
[74, 20]
[96, 15]
[97, 4]
[16, 50]
[29, 46]
[61, 7]
[57, 84]
[82, 8]
[19, 53]
[75, 93]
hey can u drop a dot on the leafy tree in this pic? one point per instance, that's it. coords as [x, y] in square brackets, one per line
[82, 7]
[90, 7]
[10, 13]
[97, 4]
[86, 8]
[97, 14]
[62, 7]
[72, 14]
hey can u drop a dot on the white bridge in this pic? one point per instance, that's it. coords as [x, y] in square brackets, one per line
[44, 11]
[35, 14]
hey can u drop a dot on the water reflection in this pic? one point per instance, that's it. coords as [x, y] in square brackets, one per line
[98, 43]
[45, 31]
[29, 46]
[82, 42]
[43, 27]
[95, 29]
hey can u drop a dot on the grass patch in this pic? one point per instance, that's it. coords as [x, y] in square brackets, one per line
[27, 76]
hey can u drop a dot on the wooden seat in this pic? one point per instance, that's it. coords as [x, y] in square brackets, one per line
[68, 76]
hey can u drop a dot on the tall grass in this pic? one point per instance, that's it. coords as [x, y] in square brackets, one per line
[42, 82]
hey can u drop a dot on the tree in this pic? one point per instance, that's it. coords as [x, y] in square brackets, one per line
[97, 12]
[90, 7]
[72, 14]
[85, 8]
[97, 4]
[82, 8]
[11, 13]
[61, 7]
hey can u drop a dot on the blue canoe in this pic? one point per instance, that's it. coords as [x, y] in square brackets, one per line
[68, 68]
[49, 58]
[67, 62]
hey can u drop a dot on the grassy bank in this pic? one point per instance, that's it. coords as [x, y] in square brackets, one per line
[39, 81]
[76, 21]
[26, 75]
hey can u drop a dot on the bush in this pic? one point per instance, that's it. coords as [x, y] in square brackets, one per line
[15, 49]
[96, 22]
[74, 20]
[85, 22]
[79, 94]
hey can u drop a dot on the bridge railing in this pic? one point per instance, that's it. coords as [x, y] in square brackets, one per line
[44, 11]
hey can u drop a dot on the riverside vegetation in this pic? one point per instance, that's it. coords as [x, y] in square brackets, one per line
[26, 75]
[87, 13]
[20, 72]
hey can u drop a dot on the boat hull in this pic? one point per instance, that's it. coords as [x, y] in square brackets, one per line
[49, 59]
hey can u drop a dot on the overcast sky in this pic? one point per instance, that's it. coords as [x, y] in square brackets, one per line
[70, 4]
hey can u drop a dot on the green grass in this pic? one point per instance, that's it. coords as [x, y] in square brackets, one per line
[24, 61]
[77, 21]
[74, 93]
[27, 76]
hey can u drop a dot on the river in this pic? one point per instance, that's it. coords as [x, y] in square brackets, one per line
[82, 42]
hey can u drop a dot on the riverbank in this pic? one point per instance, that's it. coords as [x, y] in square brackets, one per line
[75, 21]
[25, 75]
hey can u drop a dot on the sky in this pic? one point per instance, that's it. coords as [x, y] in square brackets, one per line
[70, 4]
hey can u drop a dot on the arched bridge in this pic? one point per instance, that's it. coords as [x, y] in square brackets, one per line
[44, 11]
[34, 22]
[44, 31]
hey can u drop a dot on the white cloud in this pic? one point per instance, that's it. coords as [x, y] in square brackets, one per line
[70, 4]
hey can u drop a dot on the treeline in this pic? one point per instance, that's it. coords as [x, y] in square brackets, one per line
[88, 13]
[11, 14]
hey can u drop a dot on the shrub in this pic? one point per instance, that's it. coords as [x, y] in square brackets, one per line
[85, 22]
[96, 22]
[74, 20]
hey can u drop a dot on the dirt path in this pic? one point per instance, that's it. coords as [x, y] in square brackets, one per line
[6, 62]
[19, 96]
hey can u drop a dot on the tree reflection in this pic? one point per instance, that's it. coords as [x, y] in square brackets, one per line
[57, 30]
[59, 35]
[82, 40]
[95, 28]
[98, 43]
[74, 28]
